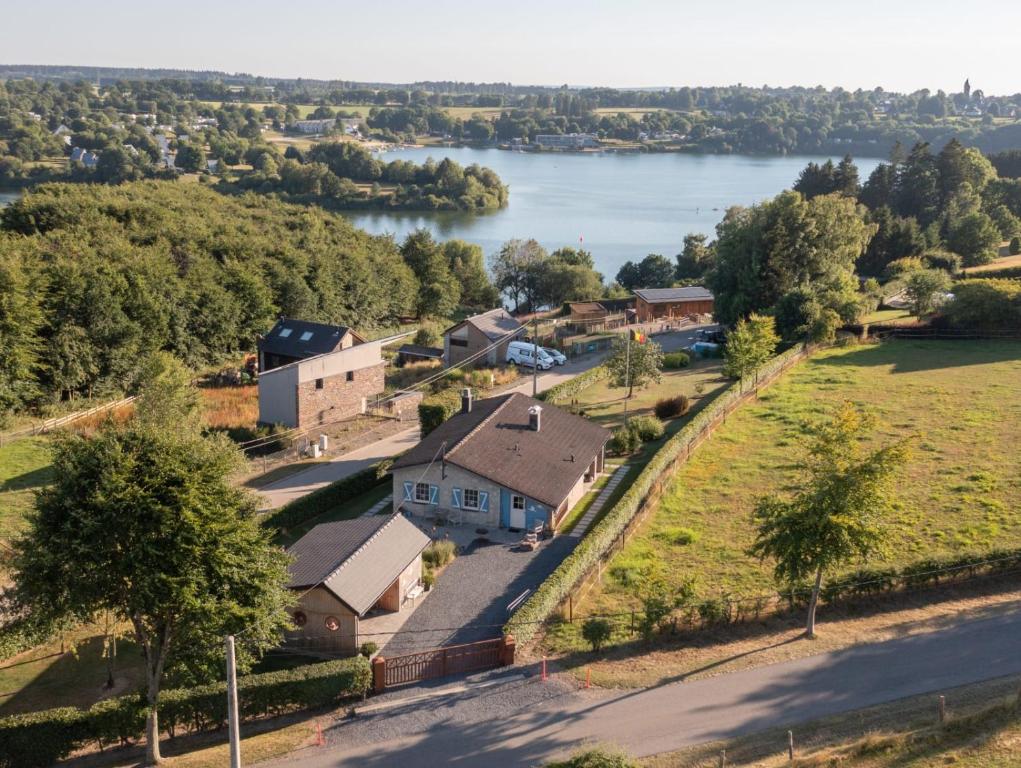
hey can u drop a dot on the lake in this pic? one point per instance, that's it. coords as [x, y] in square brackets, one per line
[618, 206]
[6, 198]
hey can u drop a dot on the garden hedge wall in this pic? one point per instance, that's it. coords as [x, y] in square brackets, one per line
[554, 590]
[40, 739]
[325, 499]
[436, 409]
[565, 391]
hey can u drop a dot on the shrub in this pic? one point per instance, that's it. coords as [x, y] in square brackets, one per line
[647, 427]
[426, 337]
[673, 361]
[902, 266]
[368, 649]
[985, 305]
[671, 407]
[564, 392]
[325, 499]
[596, 632]
[624, 442]
[436, 409]
[595, 758]
[1015, 246]
[439, 553]
[428, 579]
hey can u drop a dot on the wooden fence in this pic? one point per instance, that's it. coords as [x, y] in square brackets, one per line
[441, 662]
[60, 421]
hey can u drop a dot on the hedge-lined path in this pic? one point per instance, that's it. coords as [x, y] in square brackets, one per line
[380, 505]
[597, 506]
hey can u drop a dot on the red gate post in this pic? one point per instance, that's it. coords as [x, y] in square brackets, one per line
[507, 648]
[379, 674]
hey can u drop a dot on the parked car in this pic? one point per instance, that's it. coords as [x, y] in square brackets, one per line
[523, 353]
[555, 355]
[712, 336]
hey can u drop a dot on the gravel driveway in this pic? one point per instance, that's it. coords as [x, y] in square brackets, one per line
[470, 598]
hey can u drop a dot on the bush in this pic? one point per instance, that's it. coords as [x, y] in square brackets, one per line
[673, 361]
[902, 266]
[325, 499]
[436, 409]
[596, 632]
[428, 579]
[677, 536]
[1015, 246]
[40, 739]
[439, 553]
[426, 337]
[368, 649]
[564, 392]
[985, 305]
[624, 442]
[647, 427]
[671, 407]
[595, 758]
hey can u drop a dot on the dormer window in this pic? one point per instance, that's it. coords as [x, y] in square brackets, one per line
[285, 332]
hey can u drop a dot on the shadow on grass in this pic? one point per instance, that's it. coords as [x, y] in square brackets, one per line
[35, 478]
[912, 356]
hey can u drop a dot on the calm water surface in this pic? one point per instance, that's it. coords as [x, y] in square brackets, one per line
[620, 206]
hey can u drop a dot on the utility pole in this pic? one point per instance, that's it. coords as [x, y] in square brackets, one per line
[232, 706]
[627, 374]
[535, 355]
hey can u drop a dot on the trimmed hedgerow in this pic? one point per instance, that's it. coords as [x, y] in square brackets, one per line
[40, 739]
[325, 499]
[597, 542]
[436, 409]
[565, 391]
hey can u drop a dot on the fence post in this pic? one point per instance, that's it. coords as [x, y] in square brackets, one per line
[507, 651]
[723, 758]
[790, 745]
[942, 709]
[379, 674]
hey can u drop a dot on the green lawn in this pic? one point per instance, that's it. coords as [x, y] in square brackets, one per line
[24, 467]
[887, 315]
[961, 491]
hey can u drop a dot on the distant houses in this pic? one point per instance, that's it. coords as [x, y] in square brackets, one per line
[315, 126]
[84, 157]
[467, 340]
[573, 141]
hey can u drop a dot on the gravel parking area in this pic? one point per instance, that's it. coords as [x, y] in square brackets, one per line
[470, 598]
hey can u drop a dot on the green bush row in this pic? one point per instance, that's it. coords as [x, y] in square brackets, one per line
[565, 391]
[21, 634]
[436, 409]
[40, 739]
[554, 590]
[993, 274]
[325, 499]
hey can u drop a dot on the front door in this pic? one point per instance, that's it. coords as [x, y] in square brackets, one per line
[517, 518]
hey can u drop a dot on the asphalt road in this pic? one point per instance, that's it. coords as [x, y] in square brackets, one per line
[671, 716]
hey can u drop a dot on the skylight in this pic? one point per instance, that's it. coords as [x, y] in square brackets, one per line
[306, 336]
[285, 332]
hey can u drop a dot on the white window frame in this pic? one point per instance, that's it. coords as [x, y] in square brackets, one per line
[465, 496]
[515, 498]
[418, 498]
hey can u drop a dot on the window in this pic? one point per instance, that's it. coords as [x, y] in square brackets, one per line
[471, 498]
[517, 502]
[422, 493]
[319, 383]
[454, 342]
[285, 332]
[305, 336]
[350, 375]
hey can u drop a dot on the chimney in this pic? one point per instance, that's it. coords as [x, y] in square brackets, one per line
[535, 417]
[466, 400]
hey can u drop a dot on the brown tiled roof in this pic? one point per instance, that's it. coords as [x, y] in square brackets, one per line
[495, 441]
[356, 560]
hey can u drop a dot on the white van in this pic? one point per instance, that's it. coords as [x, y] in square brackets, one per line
[523, 353]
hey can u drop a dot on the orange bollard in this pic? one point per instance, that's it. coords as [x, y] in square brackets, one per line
[320, 741]
[588, 677]
[544, 669]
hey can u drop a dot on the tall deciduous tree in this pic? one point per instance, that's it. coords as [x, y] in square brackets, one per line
[633, 364]
[695, 258]
[438, 291]
[836, 517]
[21, 316]
[750, 344]
[923, 289]
[143, 522]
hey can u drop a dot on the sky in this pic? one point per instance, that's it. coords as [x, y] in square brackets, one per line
[901, 45]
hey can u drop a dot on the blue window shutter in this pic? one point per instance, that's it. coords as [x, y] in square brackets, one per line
[455, 495]
[483, 501]
[434, 494]
[408, 491]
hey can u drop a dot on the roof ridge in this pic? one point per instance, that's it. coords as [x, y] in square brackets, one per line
[506, 399]
[340, 566]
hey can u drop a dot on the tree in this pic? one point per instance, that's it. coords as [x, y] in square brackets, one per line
[895, 238]
[145, 523]
[629, 276]
[845, 178]
[190, 158]
[695, 259]
[924, 287]
[976, 238]
[750, 344]
[468, 267]
[21, 317]
[835, 517]
[514, 270]
[655, 271]
[438, 292]
[636, 368]
[917, 191]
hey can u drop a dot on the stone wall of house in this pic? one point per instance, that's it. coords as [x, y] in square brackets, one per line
[404, 405]
[455, 478]
[338, 398]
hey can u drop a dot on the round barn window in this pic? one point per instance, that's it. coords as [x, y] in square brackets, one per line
[332, 623]
[300, 619]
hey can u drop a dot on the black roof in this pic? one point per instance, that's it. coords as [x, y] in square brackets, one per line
[494, 441]
[301, 338]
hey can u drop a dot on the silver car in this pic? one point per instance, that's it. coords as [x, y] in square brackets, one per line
[556, 356]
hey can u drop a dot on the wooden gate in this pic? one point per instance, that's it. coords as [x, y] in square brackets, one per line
[441, 662]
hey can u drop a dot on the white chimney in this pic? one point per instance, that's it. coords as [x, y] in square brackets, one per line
[466, 400]
[535, 417]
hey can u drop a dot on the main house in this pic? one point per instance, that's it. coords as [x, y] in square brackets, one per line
[507, 461]
[471, 336]
[657, 303]
[349, 572]
[311, 373]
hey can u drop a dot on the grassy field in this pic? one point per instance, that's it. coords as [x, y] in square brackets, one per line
[959, 493]
[228, 407]
[887, 316]
[1005, 262]
[24, 467]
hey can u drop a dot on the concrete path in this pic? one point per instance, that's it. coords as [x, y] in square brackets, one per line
[678, 714]
[592, 512]
[380, 505]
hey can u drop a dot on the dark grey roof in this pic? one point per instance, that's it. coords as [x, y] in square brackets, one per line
[356, 560]
[494, 441]
[419, 351]
[301, 338]
[688, 293]
[495, 324]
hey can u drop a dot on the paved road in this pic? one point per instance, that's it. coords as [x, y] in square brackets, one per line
[674, 715]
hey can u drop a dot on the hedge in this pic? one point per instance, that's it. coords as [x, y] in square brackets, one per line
[991, 274]
[23, 633]
[325, 499]
[40, 739]
[568, 389]
[436, 409]
[524, 623]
